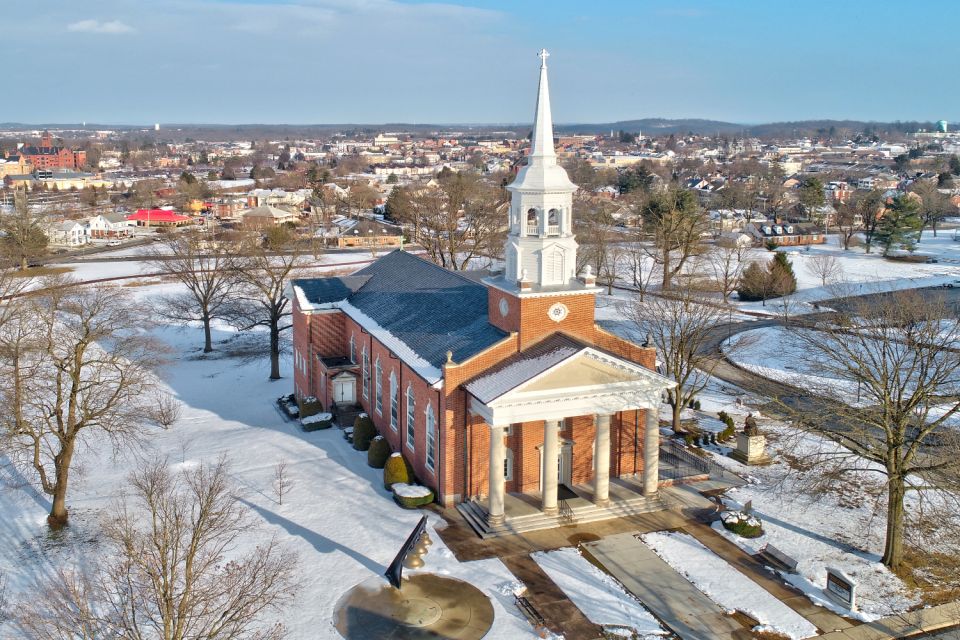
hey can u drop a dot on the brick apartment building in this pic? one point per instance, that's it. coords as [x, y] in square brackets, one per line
[501, 391]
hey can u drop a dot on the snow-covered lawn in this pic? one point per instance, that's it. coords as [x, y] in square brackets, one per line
[601, 598]
[336, 514]
[841, 529]
[862, 272]
[725, 585]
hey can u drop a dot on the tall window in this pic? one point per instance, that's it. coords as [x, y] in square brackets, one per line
[353, 350]
[431, 437]
[394, 401]
[411, 415]
[365, 372]
[378, 381]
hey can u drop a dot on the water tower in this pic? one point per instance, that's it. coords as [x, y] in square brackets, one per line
[942, 126]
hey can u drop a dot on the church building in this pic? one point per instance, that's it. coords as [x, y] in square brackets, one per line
[502, 392]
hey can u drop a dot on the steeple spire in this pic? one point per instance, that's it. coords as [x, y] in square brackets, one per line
[542, 143]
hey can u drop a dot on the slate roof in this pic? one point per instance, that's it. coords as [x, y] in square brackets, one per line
[429, 309]
[523, 366]
[327, 290]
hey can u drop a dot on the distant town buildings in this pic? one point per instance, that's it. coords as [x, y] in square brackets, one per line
[49, 156]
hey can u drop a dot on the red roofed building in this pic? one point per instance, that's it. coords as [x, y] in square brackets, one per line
[49, 156]
[158, 218]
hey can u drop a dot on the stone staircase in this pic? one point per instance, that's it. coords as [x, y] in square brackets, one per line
[345, 415]
[475, 514]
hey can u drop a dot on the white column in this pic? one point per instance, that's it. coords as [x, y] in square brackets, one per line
[495, 494]
[601, 464]
[549, 460]
[651, 452]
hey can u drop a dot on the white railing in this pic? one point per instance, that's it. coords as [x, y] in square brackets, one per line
[553, 230]
[533, 230]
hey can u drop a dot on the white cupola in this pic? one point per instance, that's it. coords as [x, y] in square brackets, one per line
[540, 251]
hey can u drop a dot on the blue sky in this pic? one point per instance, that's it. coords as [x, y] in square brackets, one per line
[373, 61]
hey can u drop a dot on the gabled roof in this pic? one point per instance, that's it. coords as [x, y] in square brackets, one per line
[522, 367]
[416, 308]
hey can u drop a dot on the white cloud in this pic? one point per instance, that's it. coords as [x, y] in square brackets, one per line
[96, 26]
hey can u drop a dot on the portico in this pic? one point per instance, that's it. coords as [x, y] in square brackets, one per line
[564, 385]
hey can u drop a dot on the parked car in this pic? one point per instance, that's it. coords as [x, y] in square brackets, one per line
[114, 243]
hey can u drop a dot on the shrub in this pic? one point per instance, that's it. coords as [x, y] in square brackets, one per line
[364, 432]
[726, 419]
[696, 405]
[397, 469]
[411, 496]
[689, 439]
[317, 421]
[727, 433]
[378, 452]
[309, 406]
[743, 524]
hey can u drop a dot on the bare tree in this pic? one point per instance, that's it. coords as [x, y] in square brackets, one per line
[934, 206]
[679, 326]
[894, 373]
[457, 221]
[825, 268]
[281, 480]
[262, 269]
[23, 238]
[166, 410]
[167, 575]
[675, 222]
[74, 366]
[726, 263]
[205, 266]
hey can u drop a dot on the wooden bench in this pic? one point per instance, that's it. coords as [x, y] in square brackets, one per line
[778, 559]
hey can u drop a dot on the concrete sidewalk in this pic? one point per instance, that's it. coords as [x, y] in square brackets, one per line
[913, 623]
[670, 596]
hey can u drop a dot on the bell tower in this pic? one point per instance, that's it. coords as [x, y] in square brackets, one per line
[540, 253]
[540, 250]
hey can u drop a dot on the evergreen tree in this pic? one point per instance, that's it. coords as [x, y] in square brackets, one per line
[783, 281]
[955, 165]
[775, 280]
[900, 225]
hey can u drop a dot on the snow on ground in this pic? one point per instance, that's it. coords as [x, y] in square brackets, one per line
[862, 272]
[601, 598]
[841, 529]
[725, 585]
[336, 516]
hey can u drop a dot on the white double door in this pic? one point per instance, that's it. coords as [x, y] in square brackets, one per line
[345, 390]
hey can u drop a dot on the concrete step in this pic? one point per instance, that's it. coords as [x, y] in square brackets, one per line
[475, 514]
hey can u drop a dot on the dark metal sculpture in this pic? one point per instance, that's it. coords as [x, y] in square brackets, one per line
[395, 570]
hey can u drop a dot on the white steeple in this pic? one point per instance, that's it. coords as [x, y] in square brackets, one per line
[540, 251]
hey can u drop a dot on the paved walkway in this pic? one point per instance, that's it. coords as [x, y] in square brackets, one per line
[670, 596]
[906, 625]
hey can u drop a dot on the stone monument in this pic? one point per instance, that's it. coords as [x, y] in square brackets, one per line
[751, 444]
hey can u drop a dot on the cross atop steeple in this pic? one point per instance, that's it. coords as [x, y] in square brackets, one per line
[544, 54]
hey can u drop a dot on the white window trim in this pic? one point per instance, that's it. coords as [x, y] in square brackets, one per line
[365, 372]
[394, 401]
[431, 438]
[378, 387]
[411, 418]
[353, 349]
[508, 465]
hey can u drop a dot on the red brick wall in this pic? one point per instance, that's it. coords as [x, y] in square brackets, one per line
[536, 325]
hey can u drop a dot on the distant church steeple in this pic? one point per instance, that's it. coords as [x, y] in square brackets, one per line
[540, 251]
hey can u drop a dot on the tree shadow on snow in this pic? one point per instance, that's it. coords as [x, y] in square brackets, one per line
[319, 541]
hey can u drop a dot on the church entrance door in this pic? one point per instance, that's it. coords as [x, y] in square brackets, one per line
[564, 465]
[345, 390]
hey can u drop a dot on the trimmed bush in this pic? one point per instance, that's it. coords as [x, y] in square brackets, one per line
[378, 452]
[696, 405]
[397, 469]
[411, 496]
[317, 421]
[743, 524]
[364, 432]
[309, 406]
[727, 433]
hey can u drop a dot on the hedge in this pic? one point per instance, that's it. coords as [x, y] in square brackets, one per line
[364, 432]
[397, 469]
[411, 496]
[378, 452]
[742, 524]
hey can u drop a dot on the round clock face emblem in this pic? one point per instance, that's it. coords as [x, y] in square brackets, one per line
[504, 307]
[558, 312]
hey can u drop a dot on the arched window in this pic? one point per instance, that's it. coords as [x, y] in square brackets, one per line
[532, 224]
[378, 381]
[431, 437]
[365, 372]
[353, 350]
[411, 415]
[394, 401]
[553, 217]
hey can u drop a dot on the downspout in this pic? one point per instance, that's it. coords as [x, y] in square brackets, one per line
[636, 441]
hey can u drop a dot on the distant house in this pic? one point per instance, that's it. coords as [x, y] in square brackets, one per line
[69, 233]
[266, 216]
[110, 225]
[158, 218]
[370, 233]
[785, 235]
